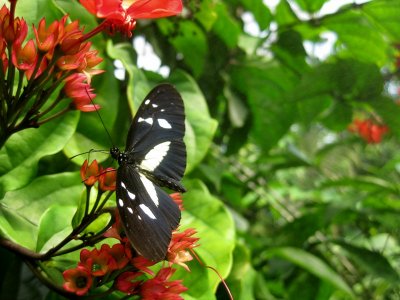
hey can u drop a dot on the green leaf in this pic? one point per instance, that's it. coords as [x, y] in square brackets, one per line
[359, 35]
[206, 14]
[388, 110]
[226, 27]
[339, 116]
[311, 6]
[242, 287]
[386, 13]
[238, 112]
[137, 85]
[200, 127]
[372, 262]
[312, 264]
[289, 50]
[22, 210]
[284, 14]
[54, 226]
[90, 133]
[192, 44]
[261, 12]
[33, 11]
[21, 153]
[215, 227]
[266, 88]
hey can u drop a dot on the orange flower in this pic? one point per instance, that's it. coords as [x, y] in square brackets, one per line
[77, 280]
[159, 287]
[107, 179]
[369, 131]
[24, 58]
[89, 174]
[178, 248]
[80, 92]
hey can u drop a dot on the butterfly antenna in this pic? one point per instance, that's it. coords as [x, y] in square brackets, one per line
[101, 119]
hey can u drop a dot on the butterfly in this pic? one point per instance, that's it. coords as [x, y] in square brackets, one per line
[154, 157]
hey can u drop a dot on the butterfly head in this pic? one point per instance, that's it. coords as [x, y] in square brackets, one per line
[121, 157]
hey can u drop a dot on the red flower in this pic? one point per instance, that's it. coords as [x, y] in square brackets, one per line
[80, 92]
[117, 251]
[46, 39]
[177, 197]
[89, 174]
[368, 130]
[127, 283]
[116, 229]
[160, 288]
[77, 280]
[121, 15]
[107, 179]
[142, 264]
[178, 248]
[98, 262]
[24, 58]
[13, 31]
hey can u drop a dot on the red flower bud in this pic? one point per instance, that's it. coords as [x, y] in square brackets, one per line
[89, 174]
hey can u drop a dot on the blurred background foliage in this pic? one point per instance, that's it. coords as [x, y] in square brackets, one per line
[292, 132]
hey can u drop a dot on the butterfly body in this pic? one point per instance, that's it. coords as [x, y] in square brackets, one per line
[155, 157]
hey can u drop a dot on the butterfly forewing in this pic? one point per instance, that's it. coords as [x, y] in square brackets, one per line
[159, 118]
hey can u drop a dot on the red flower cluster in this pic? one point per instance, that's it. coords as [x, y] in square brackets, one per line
[92, 173]
[58, 51]
[368, 130]
[121, 15]
[98, 267]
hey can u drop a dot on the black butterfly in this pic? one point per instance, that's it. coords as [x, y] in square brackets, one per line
[155, 156]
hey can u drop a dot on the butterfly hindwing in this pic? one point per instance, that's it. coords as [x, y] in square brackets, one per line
[148, 214]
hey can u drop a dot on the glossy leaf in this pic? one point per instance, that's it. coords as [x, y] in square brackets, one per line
[20, 155]
[215, 228]
[312, 264]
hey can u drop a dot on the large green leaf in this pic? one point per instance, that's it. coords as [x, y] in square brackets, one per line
[241, 286]
[372, 262]
[22, 210]
[359, 35]
[312, 264]
[215, 228]
[261, 12]
[226, 27]
[20, 155]
[385, 13]
[54, 226]
[266, 88]
[200, 127]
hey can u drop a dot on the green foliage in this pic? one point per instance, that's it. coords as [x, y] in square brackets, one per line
[287, 202]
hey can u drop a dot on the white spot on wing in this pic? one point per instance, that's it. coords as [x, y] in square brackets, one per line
[154, 157]
[120, 202]
[147, 101]
[130, 210]
[151, 190]
[123, 185]
[164, 123]
[148, 120]
[154, 105]
[131, 195]
[147, 211]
